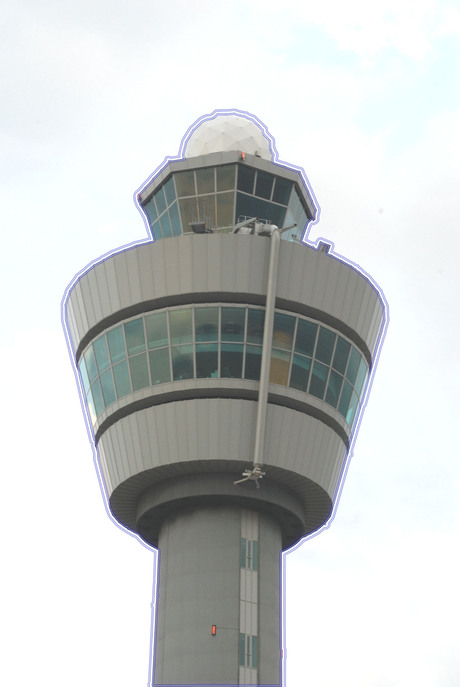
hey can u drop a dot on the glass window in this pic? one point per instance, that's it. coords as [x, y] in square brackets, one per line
[282, 191]
[182, 362]
[139, 371]
[231, 360]
[175, 220]
[108, 389]
[279, 367]
[325, 345]
[360, 377]
[225, 209]
[243, 553]
[232, 324]
[102, 355]
[188, 212]
[169, 191]
[166, 225]
[256, 319]
[342, 350]
[250, 206]
[180, 325]
[91, 408]
[283, 331]
[334, 386]
[206, 360]
[116, 343]
[97, 397]
[122, 380]
[159, 366]
[352, 408]
[135, 339]
[264, 185]
[246, 176]
[305, 337]
[205, 180]
[300, 372]
[225, 178]
[90, 361]
[242, 649]
[160, 200]
[254, 652]
[318, 379]
[156, 230]
[353, 364]
[84, 374]
[253, 361]
[156, 327]
[185, 184]
[206, 324]
[345, 398]
[151, 210]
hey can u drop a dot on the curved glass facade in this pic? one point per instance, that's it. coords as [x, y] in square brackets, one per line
[221, 196]
[222, 341]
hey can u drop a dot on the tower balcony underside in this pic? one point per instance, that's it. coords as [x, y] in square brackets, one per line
[184, 454]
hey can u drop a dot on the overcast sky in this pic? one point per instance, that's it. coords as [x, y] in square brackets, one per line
[366, 98]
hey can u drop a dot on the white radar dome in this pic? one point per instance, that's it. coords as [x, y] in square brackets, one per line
[225, 133]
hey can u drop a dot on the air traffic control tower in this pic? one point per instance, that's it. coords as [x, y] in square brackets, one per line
[224, 365]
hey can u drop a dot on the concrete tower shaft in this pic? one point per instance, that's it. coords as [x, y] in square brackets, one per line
[168, 337]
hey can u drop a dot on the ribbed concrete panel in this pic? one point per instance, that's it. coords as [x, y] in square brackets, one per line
[226, 264]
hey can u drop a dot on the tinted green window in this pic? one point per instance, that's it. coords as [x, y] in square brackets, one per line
[156, 230]
[108, 389]
[242, 649]
[135, 339]
[169, 191]
[206, 360]
[246, 176]
[283, 331]
[159, 366]
[122, 380]
[300, 372]
[305, 337]
[334, 386]
[232, 324]
[180, 326]
[205, 180]
[151, 210]
[264, 185]
[353, 364]
[90, 361]
[97, 397]
[182, 362]
[256, 320]
[282, 191]
[116, 344]
[325, 345]
[255, 555]
[231, 360]
[175, 220]
[166, 226]
[254, 652]
[225, 178]
[185, 183]
[352, 408]
[342, 351]
[345, 398]
[91, 408]
[318, 379]
[156, 327]
[206, 324]
[160, 200]
[253, 360]
[139, 371]
[84, 374]
[250, 206]
[360, 377]
[102, 354]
